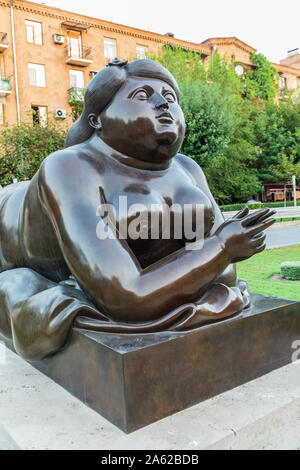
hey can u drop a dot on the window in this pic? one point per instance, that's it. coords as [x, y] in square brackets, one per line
[74, 44]
[282, 84]
[37, 75]
[93, 73]
[110, 48]
[39, 115]
[1, 114]
[34, 32]
[76, 79]
[141, 52]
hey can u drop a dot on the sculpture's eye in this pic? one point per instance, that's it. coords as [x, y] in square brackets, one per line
[169, 97]
[141, 95]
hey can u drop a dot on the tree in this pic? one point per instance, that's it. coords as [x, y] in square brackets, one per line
[216, 116]
[277, 135]
[22, 149]
[76, 101]
[261, 82]
[286, 167]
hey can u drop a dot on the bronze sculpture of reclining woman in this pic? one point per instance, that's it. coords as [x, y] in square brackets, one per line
[56, 272]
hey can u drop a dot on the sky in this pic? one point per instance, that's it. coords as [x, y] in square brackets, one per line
[270, 26]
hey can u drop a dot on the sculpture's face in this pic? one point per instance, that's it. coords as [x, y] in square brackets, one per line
[144, 120]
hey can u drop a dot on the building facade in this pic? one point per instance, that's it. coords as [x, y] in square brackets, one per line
[48, 55]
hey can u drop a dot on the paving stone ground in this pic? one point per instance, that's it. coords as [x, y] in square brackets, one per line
[36, 413]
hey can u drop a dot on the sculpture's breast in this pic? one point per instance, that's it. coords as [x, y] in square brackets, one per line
[196, 206]
[145, 213]
[139, 211]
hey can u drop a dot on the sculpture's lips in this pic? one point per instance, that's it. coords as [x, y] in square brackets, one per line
[165, 118]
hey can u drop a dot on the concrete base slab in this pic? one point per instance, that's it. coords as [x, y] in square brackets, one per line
[38, 414]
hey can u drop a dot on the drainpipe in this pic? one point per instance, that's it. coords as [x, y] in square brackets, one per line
[21, 150]
[15, 59]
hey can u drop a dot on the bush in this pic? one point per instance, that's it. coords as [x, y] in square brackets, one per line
[280, 204]
[239, 206]
[22, 149]
[290, 270]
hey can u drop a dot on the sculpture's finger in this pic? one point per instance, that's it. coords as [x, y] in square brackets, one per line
[257, 235]
[260, 248]
[242, 213]
[258, 240]
[260, 227]
[266, 216]
[251, 218]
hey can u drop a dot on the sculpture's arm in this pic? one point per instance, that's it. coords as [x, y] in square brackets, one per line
[107, 270]
[228, 276]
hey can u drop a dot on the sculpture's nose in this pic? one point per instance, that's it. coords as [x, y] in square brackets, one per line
[160, 102]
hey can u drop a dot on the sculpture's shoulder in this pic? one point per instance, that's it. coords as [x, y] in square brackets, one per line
[60, 158]
[192, 168]
[61, 164]
[58, 170]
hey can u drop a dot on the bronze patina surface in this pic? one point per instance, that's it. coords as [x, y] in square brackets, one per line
[134, 380]
[54, 268]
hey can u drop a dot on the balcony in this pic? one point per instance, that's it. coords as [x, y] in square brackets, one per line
[5, 88]
[79, 55]
[3, 42]
[76, 94]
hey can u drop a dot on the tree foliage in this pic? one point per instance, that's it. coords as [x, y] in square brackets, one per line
[22, 149]
[234, 128]
[76, 101]
[263, 78]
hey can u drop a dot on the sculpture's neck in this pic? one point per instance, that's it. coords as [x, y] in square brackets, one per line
[102, 147]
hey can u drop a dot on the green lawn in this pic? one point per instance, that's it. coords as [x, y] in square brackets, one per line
[258, 270]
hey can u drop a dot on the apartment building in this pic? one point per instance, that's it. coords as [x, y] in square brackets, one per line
[48, 55]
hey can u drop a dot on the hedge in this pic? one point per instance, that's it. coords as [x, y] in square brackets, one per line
[290, 270]
[238, 207]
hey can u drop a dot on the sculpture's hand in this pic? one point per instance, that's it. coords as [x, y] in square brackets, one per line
[242, 235]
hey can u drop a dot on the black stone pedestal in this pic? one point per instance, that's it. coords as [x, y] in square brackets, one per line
[136, 380]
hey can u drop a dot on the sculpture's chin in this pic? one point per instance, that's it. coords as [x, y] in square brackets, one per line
[170, 135]
[167, 138]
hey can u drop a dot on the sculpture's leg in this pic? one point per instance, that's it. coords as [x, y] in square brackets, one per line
[37, 313]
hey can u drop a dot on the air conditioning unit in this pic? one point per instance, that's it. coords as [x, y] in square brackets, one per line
[59, 38]
[60, 114]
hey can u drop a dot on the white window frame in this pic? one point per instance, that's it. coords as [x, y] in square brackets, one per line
[79, 82]
[37, 75]
[282, 83]
[43, 114]
[141, 51]
[110, 48]
[34, 32]
[74, 44]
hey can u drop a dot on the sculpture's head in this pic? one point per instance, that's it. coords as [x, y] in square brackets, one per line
[135, 109]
